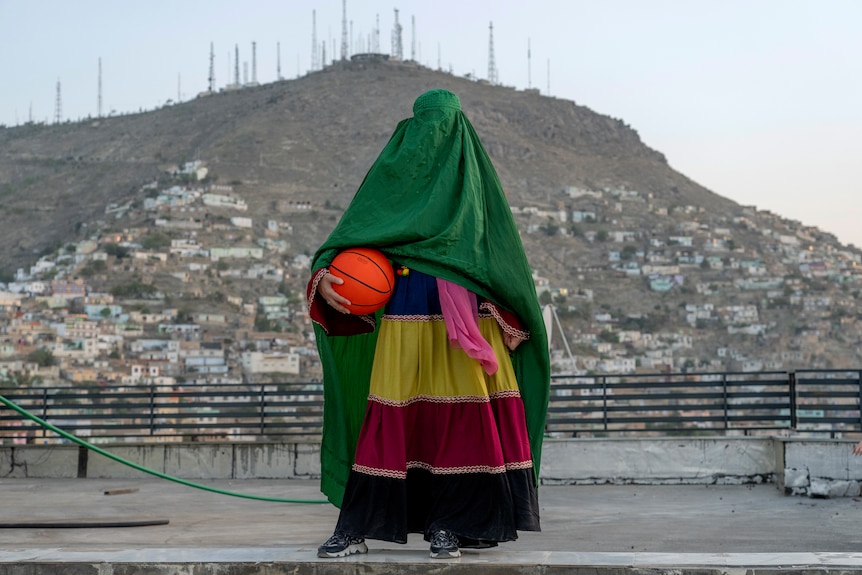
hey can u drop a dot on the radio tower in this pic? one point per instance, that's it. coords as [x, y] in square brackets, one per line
[375, 40]
[413, 34]
[492, 67]
[58, 105]
[254, 63]
[344, 29]
[397, 51]
[529, 67]
[100, 88]
[236, 66]
[315, 59]
[278, 61]
[212, 69]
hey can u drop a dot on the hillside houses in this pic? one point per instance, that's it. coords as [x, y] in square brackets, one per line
[205, 292]
[772, 283]
[77, 333]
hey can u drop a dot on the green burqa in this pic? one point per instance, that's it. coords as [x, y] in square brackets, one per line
[431, 201]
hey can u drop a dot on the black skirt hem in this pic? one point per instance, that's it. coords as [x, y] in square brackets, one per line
[481, 509]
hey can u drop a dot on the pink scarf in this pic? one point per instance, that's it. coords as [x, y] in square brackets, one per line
[462, 324]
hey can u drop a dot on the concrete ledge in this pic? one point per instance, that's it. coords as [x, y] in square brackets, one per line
[820, 468]
[293, 561]
[730, 460]
[811, 467]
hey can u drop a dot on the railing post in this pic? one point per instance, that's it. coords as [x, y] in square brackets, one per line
[791, 379]
[44, 408]
[859, 386]
[724, 400]
[262, 409]
[605, 401]
[152, 409]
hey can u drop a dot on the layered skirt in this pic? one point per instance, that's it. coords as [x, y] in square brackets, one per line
[443, 444]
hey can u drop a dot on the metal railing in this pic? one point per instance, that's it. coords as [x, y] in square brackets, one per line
[811, 402]
[741, 403]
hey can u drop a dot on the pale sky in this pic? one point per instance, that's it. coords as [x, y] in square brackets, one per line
[757, 100]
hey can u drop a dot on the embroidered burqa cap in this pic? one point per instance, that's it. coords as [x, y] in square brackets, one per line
[431, 201]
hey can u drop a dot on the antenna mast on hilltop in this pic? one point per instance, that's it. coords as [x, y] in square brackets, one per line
[100, 89]
[254, 63]
[212, 69]
[344, 29]
[58, 105]
[413, 38]
[397, 51]
[375, 38]
[529, 67]
[315, 60]
[278, 61]
[236, 65]
[492, 66]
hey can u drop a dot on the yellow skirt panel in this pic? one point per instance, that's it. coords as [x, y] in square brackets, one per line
[414, 360]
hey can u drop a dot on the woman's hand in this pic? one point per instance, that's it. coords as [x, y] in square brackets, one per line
[330, 295]
[512, 341]
[858, 449]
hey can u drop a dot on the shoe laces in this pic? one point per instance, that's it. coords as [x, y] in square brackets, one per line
[444, 538]
[339, 538]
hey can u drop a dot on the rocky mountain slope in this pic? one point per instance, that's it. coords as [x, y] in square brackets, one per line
[309, 139]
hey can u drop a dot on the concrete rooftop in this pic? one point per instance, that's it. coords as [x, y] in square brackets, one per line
[586, 529]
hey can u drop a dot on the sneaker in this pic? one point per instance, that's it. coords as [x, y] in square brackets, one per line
[444, 545]
[342, 545]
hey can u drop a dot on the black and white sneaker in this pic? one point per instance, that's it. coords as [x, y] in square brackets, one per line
[342, 545]
[444, 545]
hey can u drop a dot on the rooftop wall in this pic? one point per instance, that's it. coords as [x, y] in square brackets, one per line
[811, 467]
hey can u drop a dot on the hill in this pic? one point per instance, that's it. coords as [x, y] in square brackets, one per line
[621, 242]
[310, 139]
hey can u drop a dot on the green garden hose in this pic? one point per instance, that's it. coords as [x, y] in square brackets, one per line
[119, 459]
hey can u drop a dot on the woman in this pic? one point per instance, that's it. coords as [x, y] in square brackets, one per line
[435, 407]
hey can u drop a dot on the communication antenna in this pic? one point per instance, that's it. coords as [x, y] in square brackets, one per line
[100, 88]
[58, 105]
[397, 52]
[245, 73]
[254, 63]
[236, 65]
[375, 37]
[212, 69]
[278, 61]
[492, 67]
[344, 29]
[529, 67]
[179, 88]
[549, 76]
[315, 59]
[413, 35]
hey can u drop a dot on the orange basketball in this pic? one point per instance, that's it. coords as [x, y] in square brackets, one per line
[368, 279]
